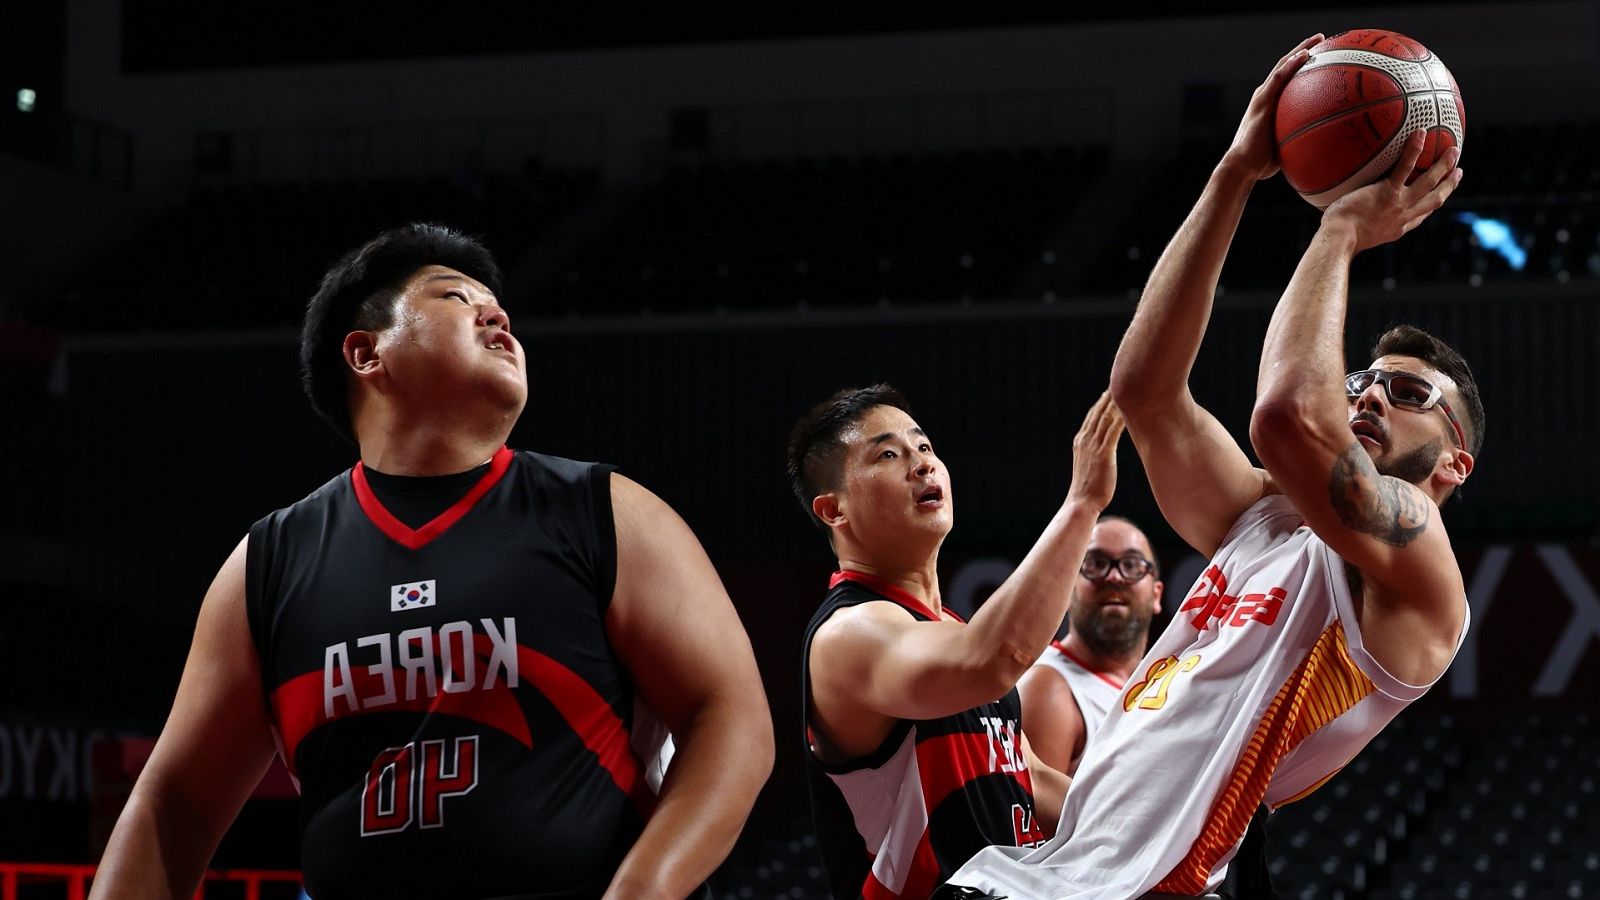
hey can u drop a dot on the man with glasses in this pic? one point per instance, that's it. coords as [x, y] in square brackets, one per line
[1332, 599]
[1076, 680]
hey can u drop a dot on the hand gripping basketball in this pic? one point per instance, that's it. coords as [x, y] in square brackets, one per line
[1254, 152]
[1385, 210]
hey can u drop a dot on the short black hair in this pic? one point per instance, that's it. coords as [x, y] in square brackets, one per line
[358, 293]
[816, 445]
[1406, 340]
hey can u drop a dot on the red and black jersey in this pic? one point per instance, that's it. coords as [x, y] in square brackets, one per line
[446, 696]
[901, 820]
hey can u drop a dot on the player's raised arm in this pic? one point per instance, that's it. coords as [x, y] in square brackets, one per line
[917, 758]
[877, 658]
[1367, 460]
[212, 752]
[677, 633]
[1200, 476]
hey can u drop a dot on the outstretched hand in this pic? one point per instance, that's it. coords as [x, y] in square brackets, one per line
[1388, 208]
[1094, 454]
[1254, 152]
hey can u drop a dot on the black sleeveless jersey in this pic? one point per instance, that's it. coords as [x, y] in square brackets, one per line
[446, 696]
[898, 822]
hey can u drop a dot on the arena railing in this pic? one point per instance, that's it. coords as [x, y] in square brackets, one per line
[77, 878]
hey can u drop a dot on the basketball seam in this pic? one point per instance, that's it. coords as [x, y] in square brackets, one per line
[1391, 143]
[1404, 94]
[1338, 115]
[1358, 64]
[1368, 48]
[1354, 65]
[1438, 112]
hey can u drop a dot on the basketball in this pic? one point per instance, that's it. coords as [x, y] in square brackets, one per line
[1343, 119]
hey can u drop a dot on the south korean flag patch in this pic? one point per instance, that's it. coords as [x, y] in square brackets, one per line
[412, 596]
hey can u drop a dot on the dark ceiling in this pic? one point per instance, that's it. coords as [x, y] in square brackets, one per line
[176, 35]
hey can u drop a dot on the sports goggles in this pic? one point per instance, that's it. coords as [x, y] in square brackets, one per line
[1404, 389]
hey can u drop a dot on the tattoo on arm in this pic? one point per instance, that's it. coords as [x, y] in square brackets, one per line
[1386, 508]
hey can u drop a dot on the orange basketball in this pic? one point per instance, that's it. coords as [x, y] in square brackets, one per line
[1344, 117]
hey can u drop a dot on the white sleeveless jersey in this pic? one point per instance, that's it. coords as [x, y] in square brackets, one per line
[1258, 691]
[1094, 692]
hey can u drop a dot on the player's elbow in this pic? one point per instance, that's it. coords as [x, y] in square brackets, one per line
[1133, 393]
[950, 690]
[1282, 428]
[747, 721]
[993, 674]
[940, 678]
[1144, 400]
[759, 747]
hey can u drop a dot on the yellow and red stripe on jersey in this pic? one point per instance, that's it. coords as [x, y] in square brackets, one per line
[1325, 686]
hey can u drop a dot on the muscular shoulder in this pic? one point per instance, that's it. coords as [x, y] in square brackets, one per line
[1044, 686]
[1412, 634]
[652, 539]
[857, 627]
[841, 662]
[851, 641]
[635, 501]
[1051, 718]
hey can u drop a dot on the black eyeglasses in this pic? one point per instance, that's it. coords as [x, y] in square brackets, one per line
[1132, 568]
[1404, 389]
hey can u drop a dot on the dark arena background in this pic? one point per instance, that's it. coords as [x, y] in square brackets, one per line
[710, 221]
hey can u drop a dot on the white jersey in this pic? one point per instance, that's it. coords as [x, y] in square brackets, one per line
[652, 743]
[1094, 692]
[1258, 691]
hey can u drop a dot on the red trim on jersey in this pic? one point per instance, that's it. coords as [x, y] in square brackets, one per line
[950, 761]
[1086, 667]
[588, 714]
[890, 591]
[945, 764]
[417, 538]
[921, 879]
[298, 708]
